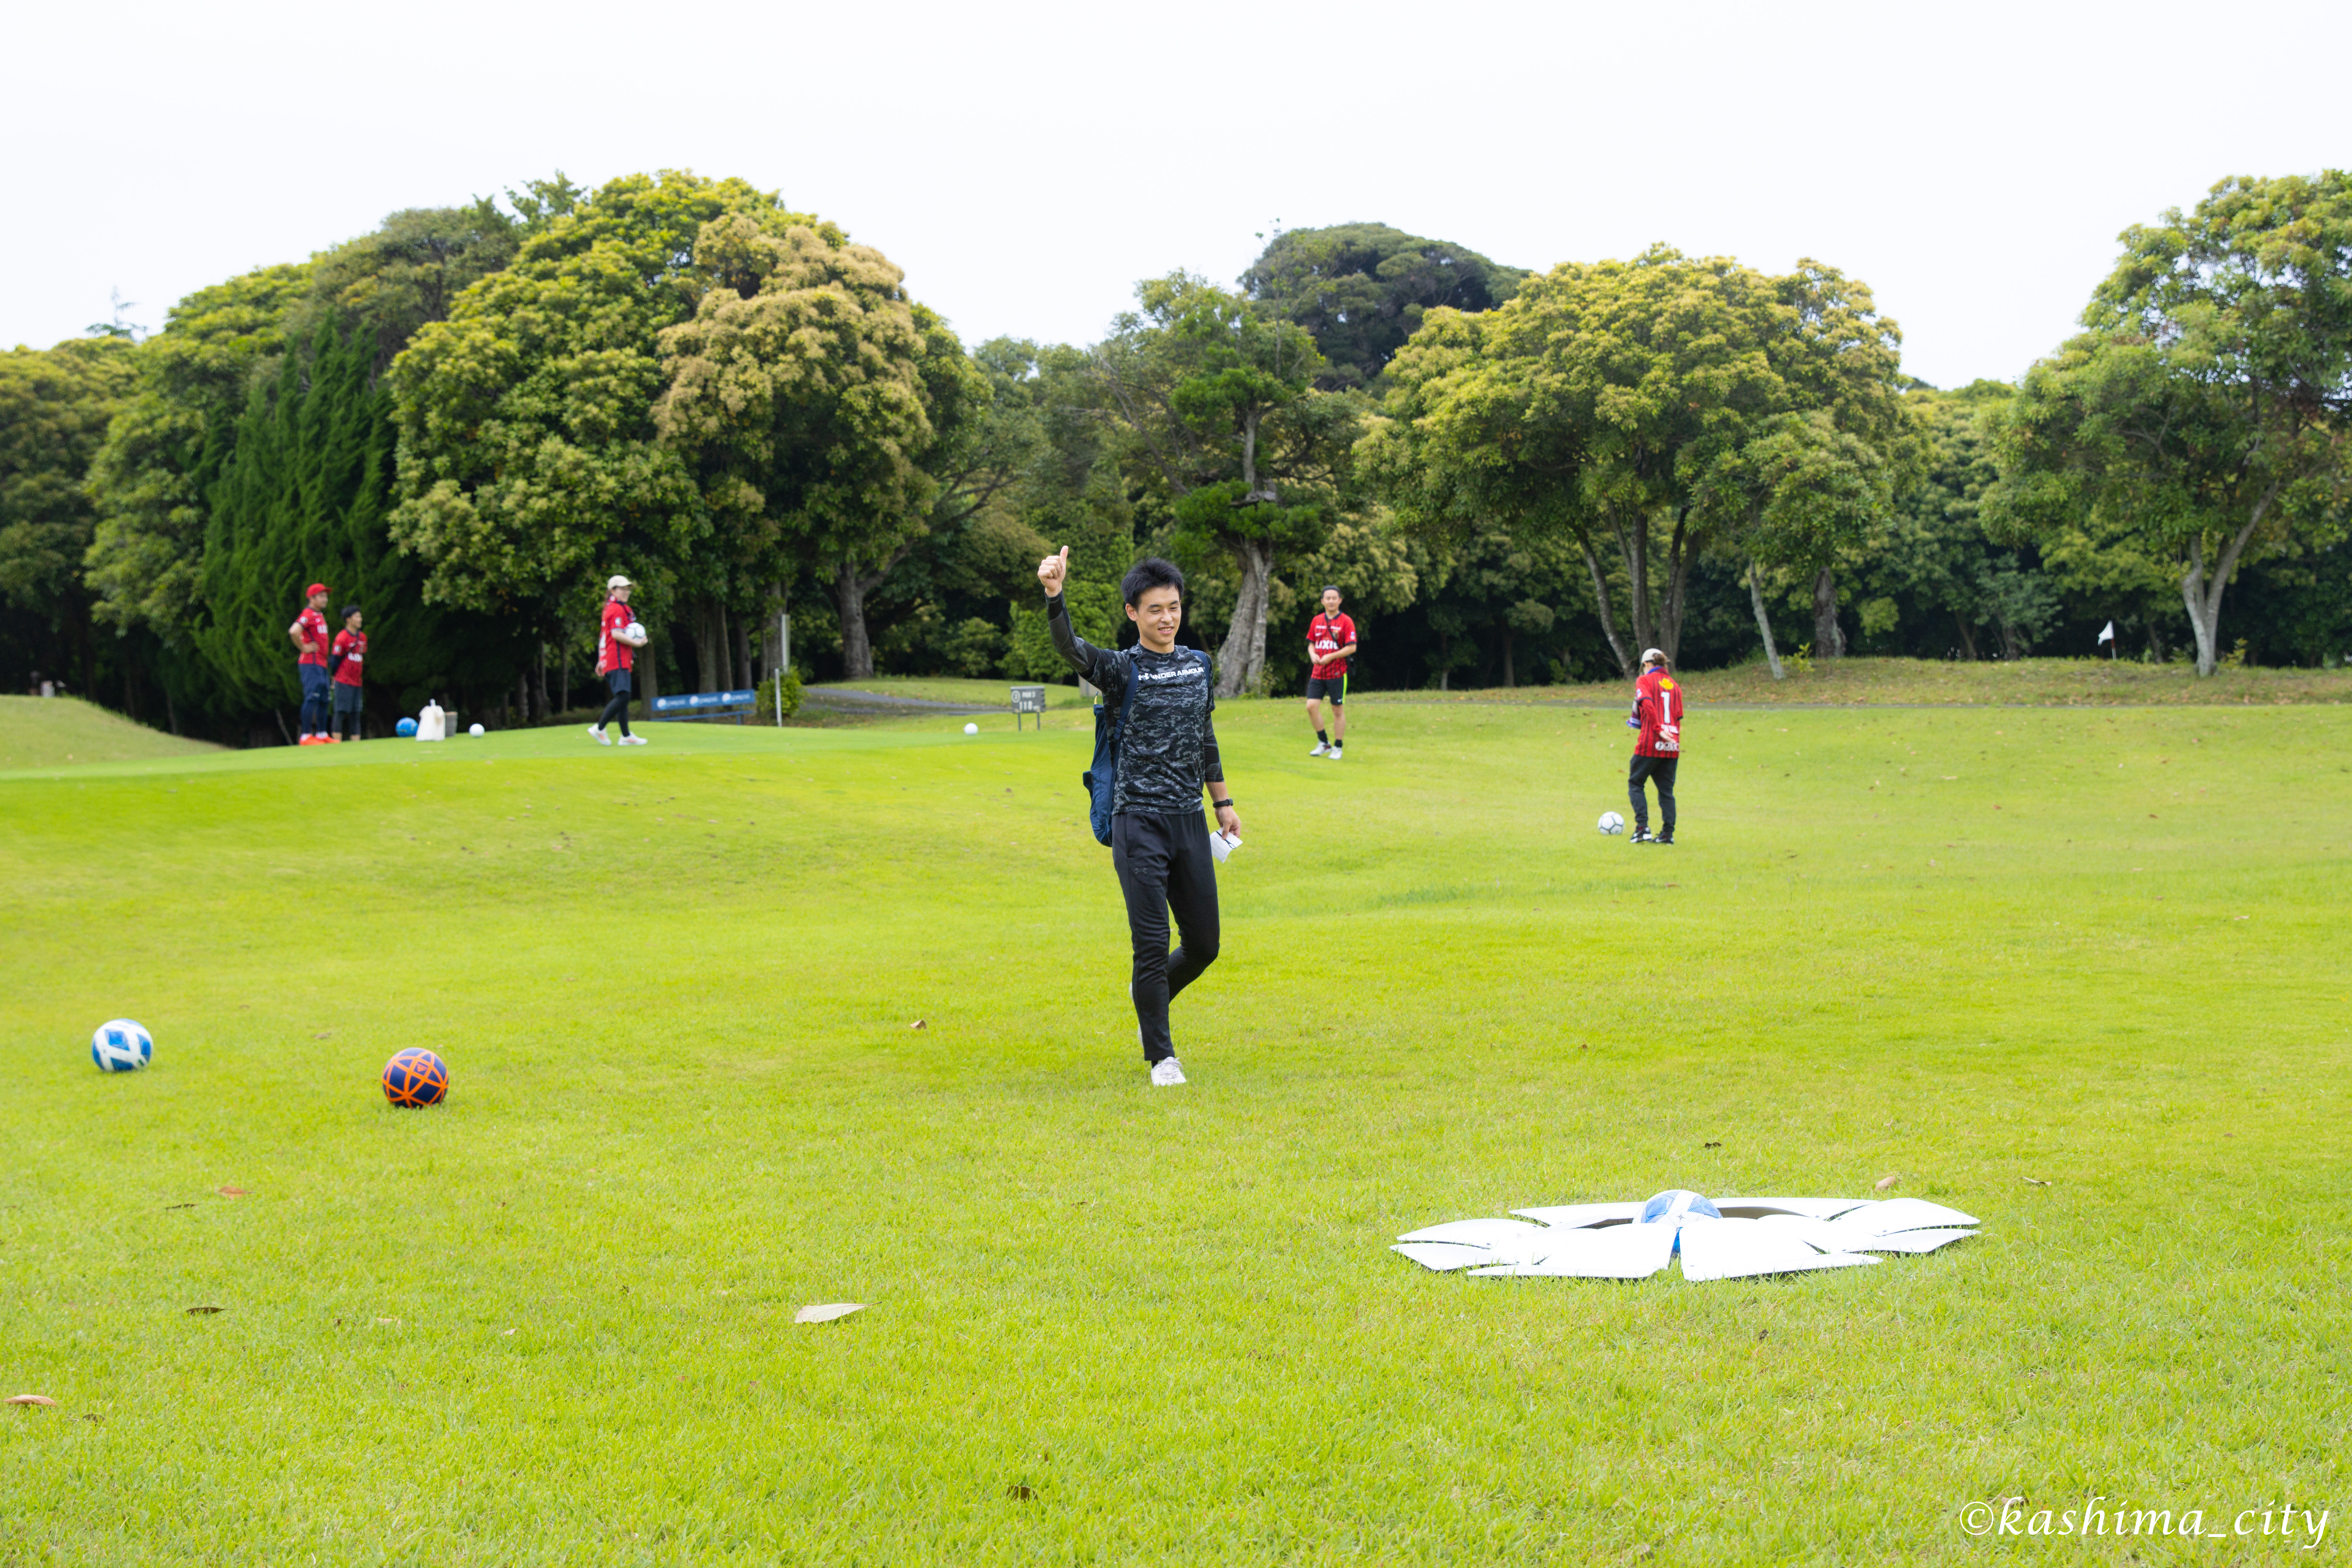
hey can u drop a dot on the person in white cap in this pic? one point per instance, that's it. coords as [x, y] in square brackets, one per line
[617, 640]
[1658, 716]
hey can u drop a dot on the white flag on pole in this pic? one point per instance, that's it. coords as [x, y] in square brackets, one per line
[2108, 635]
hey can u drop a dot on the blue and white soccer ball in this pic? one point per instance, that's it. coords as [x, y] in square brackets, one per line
[406, 728]
[1612, 822]
[121, 1045]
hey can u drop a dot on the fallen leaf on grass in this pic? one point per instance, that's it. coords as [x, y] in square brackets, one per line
[194, 1310]
[918, 1023]
[30, 1399]
[504, 1334]
[1712, 1143]
[169, 1207]
[2035, 1182]
[827, 1312]
[1019, 1491]
[232, 1191]
[1884, 1181]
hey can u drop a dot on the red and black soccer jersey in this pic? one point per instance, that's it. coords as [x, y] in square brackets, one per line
[1658, 704]
[611, 652]
[1326, 635]
[351, 647]
[311, 627]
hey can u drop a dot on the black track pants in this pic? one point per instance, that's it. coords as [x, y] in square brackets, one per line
[1164, 868]
[618, 707]
[1659, 771]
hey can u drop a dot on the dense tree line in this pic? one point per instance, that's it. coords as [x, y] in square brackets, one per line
[466, 419]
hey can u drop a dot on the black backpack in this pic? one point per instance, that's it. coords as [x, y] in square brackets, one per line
[1103, 776]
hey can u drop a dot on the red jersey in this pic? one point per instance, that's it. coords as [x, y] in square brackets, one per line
[311, 627]
[1658, 704]
[352, 647]
[1326, 635]
[611, 652]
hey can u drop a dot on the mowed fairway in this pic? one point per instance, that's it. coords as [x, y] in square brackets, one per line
[550, 1322]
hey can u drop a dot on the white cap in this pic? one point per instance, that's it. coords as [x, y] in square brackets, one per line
[1652, 655]
[617, 581]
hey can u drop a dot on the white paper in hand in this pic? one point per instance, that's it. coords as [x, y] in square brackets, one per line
[1221, 846]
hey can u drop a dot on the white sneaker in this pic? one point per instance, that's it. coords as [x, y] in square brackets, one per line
[1167, 1073]
[596, 733]
[633, 740]
[1335, 753]
[1322, 747]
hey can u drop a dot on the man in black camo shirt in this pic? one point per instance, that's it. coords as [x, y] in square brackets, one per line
[1167, 754]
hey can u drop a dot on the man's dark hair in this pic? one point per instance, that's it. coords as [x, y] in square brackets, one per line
[1149, 574]
[350, 610]
[1331, 588]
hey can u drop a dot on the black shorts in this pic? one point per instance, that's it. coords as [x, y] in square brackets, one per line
[347, 698]
[1336, 689]
[618, 683]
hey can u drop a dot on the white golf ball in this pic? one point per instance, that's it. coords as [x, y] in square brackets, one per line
[972, 729]
[473, 728]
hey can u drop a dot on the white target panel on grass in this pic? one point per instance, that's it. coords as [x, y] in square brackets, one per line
[1717, 1239]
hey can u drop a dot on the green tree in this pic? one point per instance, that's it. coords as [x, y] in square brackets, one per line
[307, 494]
[808, 396]
[1597, 403]
[2201, 414]
[55, 407]
[1216, 400]
[172, 441]
[529, 467]
[1361, 290]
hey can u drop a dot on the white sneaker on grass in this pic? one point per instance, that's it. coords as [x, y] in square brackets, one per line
[1322, 749]
[1167, 1073]
[1335, 753]
[633, 740]
[596, 733]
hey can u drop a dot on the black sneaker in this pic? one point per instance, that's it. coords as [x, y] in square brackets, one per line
[1641, 835]
[1664, 838]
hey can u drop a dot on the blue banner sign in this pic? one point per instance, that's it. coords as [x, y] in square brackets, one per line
[702, 699]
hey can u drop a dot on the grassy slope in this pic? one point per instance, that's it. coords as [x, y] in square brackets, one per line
[56, 732]
[675, 986]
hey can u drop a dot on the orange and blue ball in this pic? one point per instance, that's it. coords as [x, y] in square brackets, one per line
[416, 1077]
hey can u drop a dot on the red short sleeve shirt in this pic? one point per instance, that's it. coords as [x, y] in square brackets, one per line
[353, 645]
[611, 652]
[311, 627]
[1326, 635]
[1658, 699]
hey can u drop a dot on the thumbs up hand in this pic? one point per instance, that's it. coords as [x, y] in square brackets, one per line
[1052, 569]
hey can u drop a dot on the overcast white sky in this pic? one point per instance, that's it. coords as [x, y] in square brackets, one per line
[1026, 163]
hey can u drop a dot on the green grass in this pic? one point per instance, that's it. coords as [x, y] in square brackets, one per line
[58, 732]
[2026, 682]
[549, 1321]
[946, 688]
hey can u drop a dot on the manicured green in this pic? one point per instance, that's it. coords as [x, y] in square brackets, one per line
[550, 1322]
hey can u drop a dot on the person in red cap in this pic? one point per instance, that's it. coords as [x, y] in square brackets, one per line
[313, 651]
[1658, 715]
[618, 637]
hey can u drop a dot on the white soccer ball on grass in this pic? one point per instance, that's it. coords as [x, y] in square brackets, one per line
[473, 728]
[1612, 822]
[972, 729]
[120, 1044]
